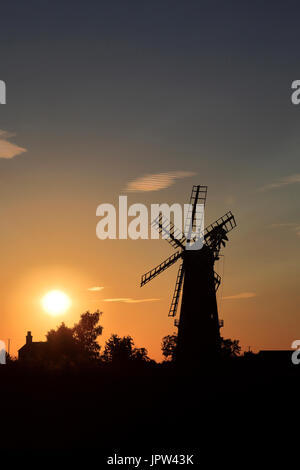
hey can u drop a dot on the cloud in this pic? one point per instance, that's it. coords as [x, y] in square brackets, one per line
[287, 180]
[95, 289]
[284, 224]
[156, 181]
[127, 300]
[8, 149]
[292, 225]
[243, 295]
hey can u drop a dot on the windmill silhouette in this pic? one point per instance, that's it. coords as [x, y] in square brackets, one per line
[198, 323]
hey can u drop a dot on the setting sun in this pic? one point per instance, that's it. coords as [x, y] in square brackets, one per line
[55, 302]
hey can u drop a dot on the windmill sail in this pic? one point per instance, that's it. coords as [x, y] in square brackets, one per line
[226, 223]
[195, 209]
[177, 291]
[168, 230]
[160, 268]
[217, 279]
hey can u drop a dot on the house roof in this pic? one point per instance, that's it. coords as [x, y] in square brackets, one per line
[33, 345]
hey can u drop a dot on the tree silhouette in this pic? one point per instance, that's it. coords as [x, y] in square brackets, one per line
[77, 344]
[62, 346]
[86, 332]
[140, 354]
[168, 346]
[121, 350]
[230, 347]
[118, 349]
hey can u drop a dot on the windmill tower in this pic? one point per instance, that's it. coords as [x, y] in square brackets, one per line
[196, 282]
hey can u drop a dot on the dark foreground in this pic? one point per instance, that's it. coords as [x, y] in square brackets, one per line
[148, 410]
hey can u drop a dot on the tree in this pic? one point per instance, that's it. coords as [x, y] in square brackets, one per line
[169, 345]
[118, 349]
[230, 348]
[121, 350]
[77, 344]
[86, 332]
[140, 354]
[62, 346]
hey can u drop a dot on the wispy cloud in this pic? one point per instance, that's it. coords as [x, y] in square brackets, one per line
[156, 181]
[285, 181]
[291, 225]
[9, 149]
[284, 224]
[243, 295]
[127, 300]
[95, 289]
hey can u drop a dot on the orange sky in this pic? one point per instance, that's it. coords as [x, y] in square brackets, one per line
[100, 96]
[46, 250]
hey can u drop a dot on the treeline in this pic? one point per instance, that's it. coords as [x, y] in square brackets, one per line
[79, 346]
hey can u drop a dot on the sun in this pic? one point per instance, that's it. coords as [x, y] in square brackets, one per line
[55, 302]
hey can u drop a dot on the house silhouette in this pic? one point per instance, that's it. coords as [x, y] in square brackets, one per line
[32, 350]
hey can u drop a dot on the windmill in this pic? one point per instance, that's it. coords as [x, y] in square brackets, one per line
[196, 282]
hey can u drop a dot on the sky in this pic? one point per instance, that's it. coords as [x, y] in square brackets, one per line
[100, 95]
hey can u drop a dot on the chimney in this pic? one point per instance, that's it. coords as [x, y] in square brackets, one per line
[29, 337]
